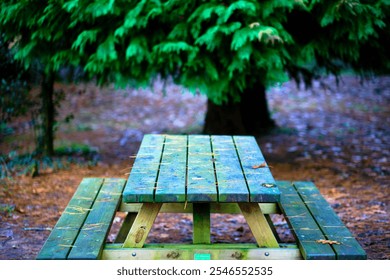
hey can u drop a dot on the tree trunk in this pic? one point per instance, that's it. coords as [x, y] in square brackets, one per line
[250, 116]
[48, 114]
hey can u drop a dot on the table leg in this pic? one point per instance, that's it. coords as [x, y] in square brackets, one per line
[142, 225]
[201, 220]
[271, 225]
[258, 225]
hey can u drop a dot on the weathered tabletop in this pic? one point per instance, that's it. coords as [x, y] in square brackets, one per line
[200, 168]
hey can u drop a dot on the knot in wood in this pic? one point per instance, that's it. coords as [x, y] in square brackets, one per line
[237, 255]
[140, 234]
[173, 255]
[268, 185]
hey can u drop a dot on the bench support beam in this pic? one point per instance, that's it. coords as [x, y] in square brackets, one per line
[142, 225]
[201, 218]
[188, 252]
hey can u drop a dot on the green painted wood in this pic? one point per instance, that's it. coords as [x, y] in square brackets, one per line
[201, 218]
[231, 182]
[141, 183]
[227, 208]
[305, 228]
[171, 181]
[63, 236]
[201, 185]
[272, 227]
[261, 183]
[330, 224]
[90, 241]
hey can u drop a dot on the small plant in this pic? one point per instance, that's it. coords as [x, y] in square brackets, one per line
[6, 209]
[76, 149]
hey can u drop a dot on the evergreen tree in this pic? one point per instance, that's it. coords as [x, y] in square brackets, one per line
[14, 100]
[229, 50]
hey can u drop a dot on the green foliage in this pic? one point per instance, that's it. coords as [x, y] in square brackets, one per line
[14, 99]
[31, 164]
[219, 48]
[76, 149]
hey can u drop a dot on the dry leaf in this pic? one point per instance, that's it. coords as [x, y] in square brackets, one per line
[259, 166]
[330, 242]
[268, 185]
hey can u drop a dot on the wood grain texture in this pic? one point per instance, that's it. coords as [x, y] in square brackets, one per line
[201, 223]
[199, 168]
[330, 224]
[259, 225]
[91, 239]
[305, 228]
[141, 183]
[201, 184]
[142, 225]
[226, 208]
[63, 236]
[171, 182]
[232, 186]
[188, 251]
[261, 183]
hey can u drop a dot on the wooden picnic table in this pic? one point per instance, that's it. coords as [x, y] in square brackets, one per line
[198, 174]
[200, 170]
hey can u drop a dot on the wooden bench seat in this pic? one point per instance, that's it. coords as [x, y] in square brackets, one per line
[319, 232]
[81, 231]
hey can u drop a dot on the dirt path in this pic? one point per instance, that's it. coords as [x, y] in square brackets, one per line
[335, 136]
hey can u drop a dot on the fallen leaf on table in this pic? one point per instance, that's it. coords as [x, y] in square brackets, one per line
[330, 242]
[259, 166]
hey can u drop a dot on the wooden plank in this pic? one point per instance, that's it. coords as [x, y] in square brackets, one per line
[261, 183]
[61, 239]
[305, 228]
[231, 182]
[142, 225]
[201, 223]
[90, 241]
[330, 224]
[259, 225]
[219, 246]
[225, 208]
[141, 183]
[171, 181]
[201, 184]
[187, 252]
[272, 226]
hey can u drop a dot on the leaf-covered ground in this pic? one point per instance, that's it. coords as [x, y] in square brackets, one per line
[336, 136]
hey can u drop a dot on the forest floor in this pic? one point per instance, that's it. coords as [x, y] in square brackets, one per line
[336, 136]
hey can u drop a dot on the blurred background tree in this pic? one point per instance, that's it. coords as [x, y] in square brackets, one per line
[14, 99]
[232, 51]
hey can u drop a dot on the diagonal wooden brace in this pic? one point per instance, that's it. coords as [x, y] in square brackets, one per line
[258, 225]
[142, 225]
